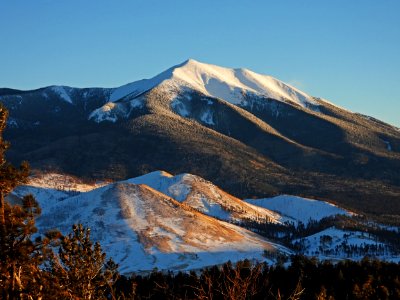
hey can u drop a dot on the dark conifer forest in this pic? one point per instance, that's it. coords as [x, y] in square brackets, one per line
[303, 278]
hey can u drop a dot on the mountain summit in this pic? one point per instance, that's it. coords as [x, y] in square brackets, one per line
[218, 82]
[251, 134]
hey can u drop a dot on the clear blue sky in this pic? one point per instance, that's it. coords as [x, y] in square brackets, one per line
[345, 51]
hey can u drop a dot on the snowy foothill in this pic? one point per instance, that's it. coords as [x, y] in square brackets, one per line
[147, 222]
[205, 197]
[184, 222]
[143, 229]
[299, 209]
[336, 244]
[337, 237]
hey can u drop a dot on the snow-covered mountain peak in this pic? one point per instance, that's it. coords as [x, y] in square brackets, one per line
[220, 82]
[230, 84]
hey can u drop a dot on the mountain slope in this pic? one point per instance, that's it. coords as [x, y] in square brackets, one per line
[217, 82]
[205, 197]
[249, 133]
[299, 209]
[142, 228]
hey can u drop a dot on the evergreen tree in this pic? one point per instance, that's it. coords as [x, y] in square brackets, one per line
[10, 177]
[81, 268]
[20, 257]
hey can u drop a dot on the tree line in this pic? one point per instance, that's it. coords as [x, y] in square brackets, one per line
[303, 278]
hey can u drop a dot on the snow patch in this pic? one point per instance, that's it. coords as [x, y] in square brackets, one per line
[136, 103]
[113, 111]
[212, 209]
[61, 91]
[388, 145]
[104, 113]
[207, 117]
[176, 187]
[180, 108]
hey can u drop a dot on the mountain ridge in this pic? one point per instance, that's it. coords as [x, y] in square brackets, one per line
[273, 146]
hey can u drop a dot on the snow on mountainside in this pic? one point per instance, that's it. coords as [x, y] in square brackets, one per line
[142, 228]
[62, 92]
[112, 111]
[138, 87]
[50, 188]
[62, 182]
[335, 244]
[177, 222]
[230, 85]
[224, 83]
[196, 193]
[205, 197]
[299, 209]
